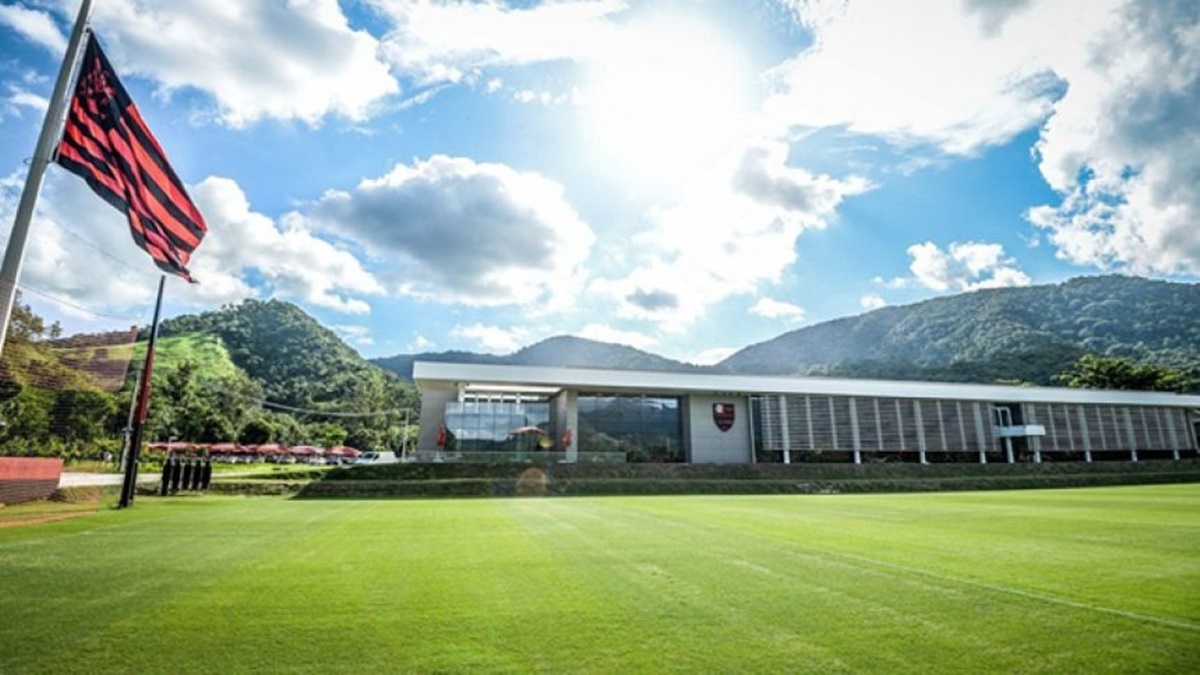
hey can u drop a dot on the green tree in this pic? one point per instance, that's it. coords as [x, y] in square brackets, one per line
[1093, 371]
[83, 416]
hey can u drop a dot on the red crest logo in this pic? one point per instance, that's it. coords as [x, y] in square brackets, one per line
[723, 415]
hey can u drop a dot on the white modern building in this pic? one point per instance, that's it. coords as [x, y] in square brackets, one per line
[495, 413]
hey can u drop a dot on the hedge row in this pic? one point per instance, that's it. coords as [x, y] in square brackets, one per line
[809, 471]
[497, 487]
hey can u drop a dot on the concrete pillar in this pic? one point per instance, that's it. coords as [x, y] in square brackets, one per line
[784, 432]
[920, 424]
[855, 436]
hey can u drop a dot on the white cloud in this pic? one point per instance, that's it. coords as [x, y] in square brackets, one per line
[39, 27]
[258, 58]
[1123, 147]
[713, 356]
[81, 248]
[19, 100]
[964, 267]
[356, 333]
[546, 98]
[492, 339]
[461, 231]
[1113, 87]
[435, 42]
[937, 72]
[775, 309]
[420, 343]
[292, 261]
[733, 230]
[603, 333]
[872, 301]
[895, 283]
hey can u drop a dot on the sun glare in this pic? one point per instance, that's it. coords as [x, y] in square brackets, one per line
[670, 102]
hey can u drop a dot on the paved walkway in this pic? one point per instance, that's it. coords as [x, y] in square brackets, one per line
[72, 479]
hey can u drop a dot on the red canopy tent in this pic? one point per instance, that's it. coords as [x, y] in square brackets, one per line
[174, 446]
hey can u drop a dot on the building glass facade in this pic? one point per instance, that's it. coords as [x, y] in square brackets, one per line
[642, 428]
[498, 425]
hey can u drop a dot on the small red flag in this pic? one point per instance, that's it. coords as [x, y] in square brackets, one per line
[106, 142]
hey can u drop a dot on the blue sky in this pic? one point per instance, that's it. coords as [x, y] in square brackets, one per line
[683, 176]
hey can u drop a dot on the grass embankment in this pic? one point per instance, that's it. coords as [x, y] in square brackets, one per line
[1097, 580]
[461, 480]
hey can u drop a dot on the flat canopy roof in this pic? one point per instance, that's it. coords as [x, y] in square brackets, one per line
[441, 375]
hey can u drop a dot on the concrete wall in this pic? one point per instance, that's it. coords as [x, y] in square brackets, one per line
[24, 479]
[707, 444]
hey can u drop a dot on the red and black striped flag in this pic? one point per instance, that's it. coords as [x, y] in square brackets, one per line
[106, 142]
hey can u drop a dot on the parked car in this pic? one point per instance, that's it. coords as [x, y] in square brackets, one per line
[386, 457]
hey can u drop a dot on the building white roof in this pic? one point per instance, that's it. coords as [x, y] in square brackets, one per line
[439, 375]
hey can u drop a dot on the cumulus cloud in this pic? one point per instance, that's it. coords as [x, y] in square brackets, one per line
[291, 260]
[1113, 89]
[872, 301]
[36, 26]
[435, 42]
[355, 333]
[461, 231]
[933, 73]
[79, 247]
[776, 309]
[712, 356]
[964, 267]
[420, 343]
[83, 250]
[603, 333]
[491, 339]
[19, 100]
[257, 58]
[1123, 146]
[733, 230]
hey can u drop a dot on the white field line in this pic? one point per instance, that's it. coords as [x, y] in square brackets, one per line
[1001, 588]
[816, 552]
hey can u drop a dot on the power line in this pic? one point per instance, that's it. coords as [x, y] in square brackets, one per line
[305, 411]
[99, 315]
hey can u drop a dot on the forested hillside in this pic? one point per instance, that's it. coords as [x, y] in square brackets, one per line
[256, 372]
[298, 361]
[1023, 334]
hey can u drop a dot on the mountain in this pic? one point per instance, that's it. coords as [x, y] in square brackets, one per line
[298, 361]
[1025, 334]
[562, 351]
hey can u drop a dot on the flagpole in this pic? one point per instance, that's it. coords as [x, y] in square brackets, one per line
[43, 155]
[143, 407]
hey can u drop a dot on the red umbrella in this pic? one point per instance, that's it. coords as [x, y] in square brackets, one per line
[270, 449]
[344, 451]
[305, 450]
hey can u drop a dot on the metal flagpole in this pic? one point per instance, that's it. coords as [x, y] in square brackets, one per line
[143, 407]
[43, 155]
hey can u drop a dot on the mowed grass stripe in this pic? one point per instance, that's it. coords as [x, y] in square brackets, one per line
[1012, 582]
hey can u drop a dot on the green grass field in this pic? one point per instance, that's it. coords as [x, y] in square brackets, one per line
[1087, 581]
